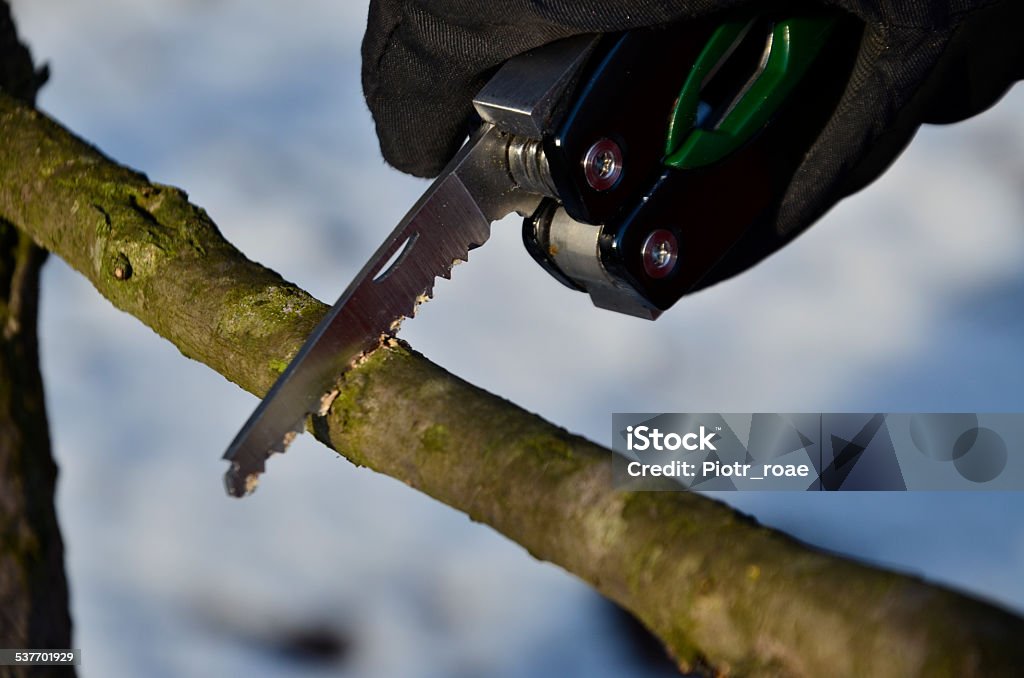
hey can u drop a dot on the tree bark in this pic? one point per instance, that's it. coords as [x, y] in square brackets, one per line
[723, 593]
[33, 588]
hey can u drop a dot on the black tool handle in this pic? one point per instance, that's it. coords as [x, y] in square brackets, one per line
[722, 216]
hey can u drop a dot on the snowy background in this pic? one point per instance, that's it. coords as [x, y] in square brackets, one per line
[905, 298]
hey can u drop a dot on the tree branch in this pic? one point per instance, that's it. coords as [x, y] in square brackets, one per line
[723, 593]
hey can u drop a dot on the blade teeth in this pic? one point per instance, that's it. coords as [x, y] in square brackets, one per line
[410, 311]
[427, 295]
[442, 271]
[244, 474]
[434, 262]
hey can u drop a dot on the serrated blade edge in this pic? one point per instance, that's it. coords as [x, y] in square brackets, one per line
[452, 217]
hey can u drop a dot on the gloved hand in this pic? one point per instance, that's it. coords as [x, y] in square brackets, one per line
[920, 61]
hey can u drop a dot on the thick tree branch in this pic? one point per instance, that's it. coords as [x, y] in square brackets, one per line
[722, 592]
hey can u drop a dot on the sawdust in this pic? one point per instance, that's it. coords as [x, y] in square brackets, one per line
[326, 401]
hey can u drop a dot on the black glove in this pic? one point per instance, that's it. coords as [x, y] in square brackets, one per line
[920, 61]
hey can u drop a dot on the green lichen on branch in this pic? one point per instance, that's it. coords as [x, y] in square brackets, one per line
[724, 593]
[139, 242]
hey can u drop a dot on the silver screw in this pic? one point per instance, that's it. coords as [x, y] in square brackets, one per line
[660, 253]
[602, 164]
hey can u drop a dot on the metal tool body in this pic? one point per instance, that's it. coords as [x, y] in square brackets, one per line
[703, 155]
[643, 165]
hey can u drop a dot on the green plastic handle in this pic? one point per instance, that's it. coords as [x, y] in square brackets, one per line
[795, 43]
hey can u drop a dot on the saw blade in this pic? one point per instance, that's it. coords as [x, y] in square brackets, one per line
[452, 217]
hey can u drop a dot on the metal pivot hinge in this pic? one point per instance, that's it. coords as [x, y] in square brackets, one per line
[526, 98]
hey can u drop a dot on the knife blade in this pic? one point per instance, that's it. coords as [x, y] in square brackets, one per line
[452, 217]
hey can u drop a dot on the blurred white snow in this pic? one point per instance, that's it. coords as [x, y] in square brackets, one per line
[904, 298]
